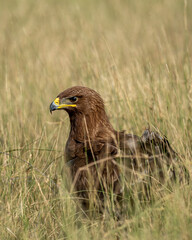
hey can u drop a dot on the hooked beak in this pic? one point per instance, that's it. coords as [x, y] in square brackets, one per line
[55, 105]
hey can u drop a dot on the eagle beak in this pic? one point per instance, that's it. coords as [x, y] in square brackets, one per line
[55, 105]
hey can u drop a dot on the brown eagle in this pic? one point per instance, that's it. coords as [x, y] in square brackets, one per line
[94, 145]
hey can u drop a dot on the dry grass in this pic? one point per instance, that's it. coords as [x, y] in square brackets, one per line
[137, 55]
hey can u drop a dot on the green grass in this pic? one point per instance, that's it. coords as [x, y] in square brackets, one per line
[138, 56]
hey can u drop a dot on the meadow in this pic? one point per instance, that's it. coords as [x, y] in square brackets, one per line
[138, 56]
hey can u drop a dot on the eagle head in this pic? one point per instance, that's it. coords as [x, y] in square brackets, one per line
[78, 99]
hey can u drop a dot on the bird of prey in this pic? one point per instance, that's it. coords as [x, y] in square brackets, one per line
[93, 146]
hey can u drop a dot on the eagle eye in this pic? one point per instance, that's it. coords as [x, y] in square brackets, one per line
[73, 99]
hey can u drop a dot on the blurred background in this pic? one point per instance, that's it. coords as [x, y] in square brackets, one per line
[136, 54]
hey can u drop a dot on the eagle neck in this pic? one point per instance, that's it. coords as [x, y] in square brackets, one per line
[90, 126]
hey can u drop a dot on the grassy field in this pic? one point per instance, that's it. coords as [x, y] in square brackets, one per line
[138, 56]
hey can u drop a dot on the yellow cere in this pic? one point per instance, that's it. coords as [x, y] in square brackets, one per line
[56, 101]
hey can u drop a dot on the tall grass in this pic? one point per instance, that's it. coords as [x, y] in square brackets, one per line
[138, 56]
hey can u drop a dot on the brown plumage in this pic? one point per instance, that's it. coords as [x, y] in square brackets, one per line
[93, 145]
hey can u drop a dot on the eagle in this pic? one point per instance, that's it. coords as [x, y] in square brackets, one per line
[94, 147]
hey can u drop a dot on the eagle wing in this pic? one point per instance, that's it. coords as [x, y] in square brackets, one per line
[150, 158]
